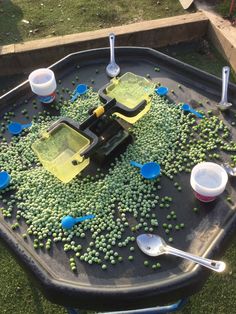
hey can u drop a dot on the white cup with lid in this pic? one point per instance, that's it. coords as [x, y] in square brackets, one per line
[43, 83]
[208, 180]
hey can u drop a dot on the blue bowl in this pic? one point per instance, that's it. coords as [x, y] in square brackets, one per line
[162, 90]
[4, 179]
[151, 170]
[15, 128]
[81, 89]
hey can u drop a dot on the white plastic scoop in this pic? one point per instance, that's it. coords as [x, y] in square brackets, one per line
[153, 245]
[112, 69]
[224, 104]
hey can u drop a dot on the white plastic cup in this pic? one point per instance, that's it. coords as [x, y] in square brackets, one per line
[208, 180]
[43, 83]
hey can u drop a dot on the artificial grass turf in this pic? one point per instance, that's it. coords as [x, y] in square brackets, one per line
[57, 17]
[223, 8]
[202, 55]
[18, 294]
[218, 295]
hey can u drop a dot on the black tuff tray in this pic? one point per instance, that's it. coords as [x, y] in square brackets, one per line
[130, 285]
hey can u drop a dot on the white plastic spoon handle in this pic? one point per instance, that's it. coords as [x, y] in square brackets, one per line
[225, 83]
[214, 265]
[112, 47]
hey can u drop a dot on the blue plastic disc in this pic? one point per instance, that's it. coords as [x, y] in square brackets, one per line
[4, 179]
[162, 90]
[151, 170]
[67, 222]
[81, 89]
[15, 128]
[185, 107]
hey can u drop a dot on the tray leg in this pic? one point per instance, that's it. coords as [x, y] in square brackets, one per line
[153, 310]
[70, 310]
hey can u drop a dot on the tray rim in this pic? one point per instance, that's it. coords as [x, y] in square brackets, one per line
[53, 285]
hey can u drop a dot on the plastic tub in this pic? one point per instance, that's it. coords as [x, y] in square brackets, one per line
[130, 90]
[43, 83]
[59, 152]
[208, 180]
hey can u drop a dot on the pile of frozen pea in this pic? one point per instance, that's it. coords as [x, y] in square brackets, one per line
[165, 134]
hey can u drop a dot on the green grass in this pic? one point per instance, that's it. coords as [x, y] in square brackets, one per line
[211, 62]
[218, 295]
[223, 8]
[57, 17]
[17, 293]
[19, 296]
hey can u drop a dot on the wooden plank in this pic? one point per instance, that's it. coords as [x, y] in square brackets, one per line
[155, 33]
[223, 37]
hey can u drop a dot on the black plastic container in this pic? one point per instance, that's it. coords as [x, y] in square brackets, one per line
[130, 285]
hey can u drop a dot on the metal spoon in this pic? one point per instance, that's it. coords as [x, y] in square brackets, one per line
[231, 171]
[112, 69]
[153, 245]
[224, 104]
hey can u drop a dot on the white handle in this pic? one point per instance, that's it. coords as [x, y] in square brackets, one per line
[225, 83]
[214, 265]
[112, 47]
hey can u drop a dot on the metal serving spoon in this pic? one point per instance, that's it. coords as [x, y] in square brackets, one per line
[112, 69]
[224, 104]
[231, 171]
[153, 245]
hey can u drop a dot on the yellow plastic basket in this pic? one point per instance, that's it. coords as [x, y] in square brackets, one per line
[59, 152]
[130, 90]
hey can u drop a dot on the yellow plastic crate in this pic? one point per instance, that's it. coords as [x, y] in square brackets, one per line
[130, 90]
[59, 152]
